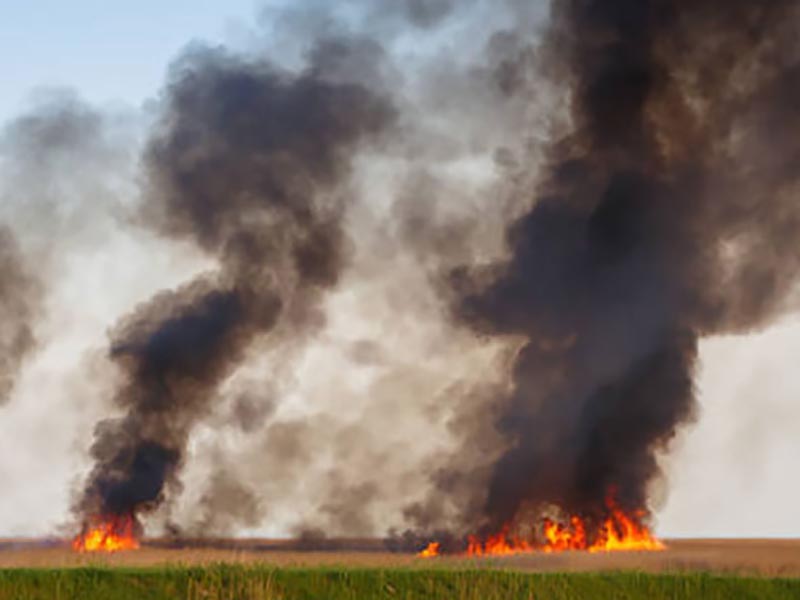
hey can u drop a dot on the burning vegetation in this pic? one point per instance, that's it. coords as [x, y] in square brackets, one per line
[111, 534]
[617, 532]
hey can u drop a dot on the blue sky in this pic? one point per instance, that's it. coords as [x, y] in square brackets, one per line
[109, 52]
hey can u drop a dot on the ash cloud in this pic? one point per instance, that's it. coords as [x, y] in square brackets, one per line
[664, 214]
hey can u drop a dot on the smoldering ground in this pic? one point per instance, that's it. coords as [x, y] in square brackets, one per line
[460, 255]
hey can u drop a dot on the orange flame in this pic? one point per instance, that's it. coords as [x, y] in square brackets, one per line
[498, 545]
[619, 532]
[430, 550]
[561, 538]
[110, 534]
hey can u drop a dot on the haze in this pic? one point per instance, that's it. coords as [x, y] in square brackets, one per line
[731, 474]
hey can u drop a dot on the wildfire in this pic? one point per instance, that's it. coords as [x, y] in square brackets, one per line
[561, 538]
[111, 534]
[430, 550]
[618, 532]
[498, 545]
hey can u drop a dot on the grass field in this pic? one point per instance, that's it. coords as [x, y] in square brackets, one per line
[266, 583]
[263, 569]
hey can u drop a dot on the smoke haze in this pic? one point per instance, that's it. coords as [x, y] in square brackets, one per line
[18, 302]
[431, 269]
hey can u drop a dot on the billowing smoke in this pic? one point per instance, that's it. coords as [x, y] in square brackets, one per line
[250, 164]
[496, 234]
[62, 166]
[666, 211]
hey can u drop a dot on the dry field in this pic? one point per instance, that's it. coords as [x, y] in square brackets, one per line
[752, 557]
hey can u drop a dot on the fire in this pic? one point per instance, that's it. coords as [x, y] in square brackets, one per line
[430, 550]
[619, 532]
[561, 538]
[110, 534]
[498, 545]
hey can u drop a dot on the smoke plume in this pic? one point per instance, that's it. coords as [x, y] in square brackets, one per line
[250, 164]
[666, 212]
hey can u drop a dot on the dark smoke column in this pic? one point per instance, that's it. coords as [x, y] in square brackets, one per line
[668, 212]
[246, 162]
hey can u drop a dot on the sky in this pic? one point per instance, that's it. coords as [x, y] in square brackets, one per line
[113, 52]
[731, 474]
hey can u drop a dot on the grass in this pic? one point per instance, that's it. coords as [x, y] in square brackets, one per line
[232, 582]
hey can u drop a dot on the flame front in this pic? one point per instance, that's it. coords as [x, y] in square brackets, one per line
[618, 533]
[498, 545]
[430, 550]
[561, 538]
[111, 534]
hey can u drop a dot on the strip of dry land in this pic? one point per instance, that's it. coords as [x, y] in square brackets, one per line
[768, 557]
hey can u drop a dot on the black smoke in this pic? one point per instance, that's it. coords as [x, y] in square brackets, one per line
[660, 210]
[250, 164]
[668, 211]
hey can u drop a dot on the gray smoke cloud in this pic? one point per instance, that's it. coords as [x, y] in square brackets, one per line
[61, 165]
[248, 163]
[19, 305]
[458, 257]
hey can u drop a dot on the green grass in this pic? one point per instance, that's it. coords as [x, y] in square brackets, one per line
[264, 583]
